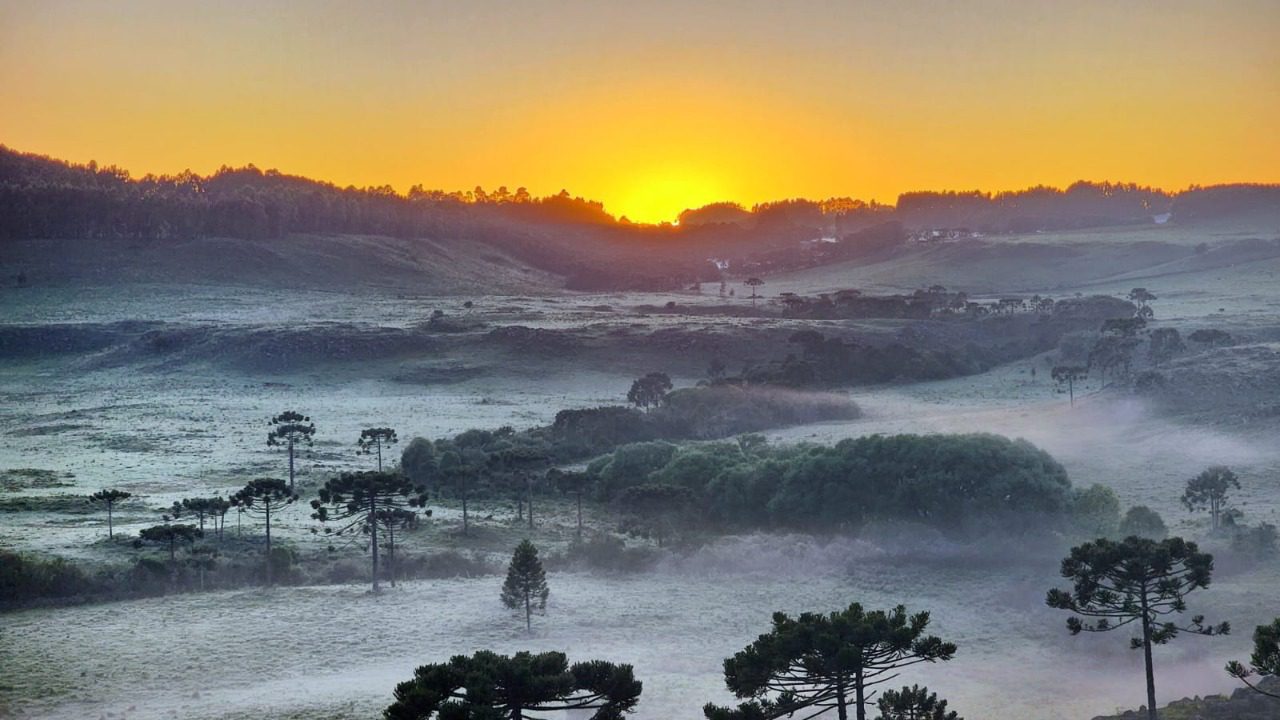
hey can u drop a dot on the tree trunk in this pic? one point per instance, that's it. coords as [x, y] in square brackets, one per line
[379, 442]
[111, 533]
[528, 613]
[1071, 390]
[842, 711]
[290, 464]
[391, 551]
[529, 490]
[268, 506]
[859, 695]
[464, 508]
[1213, 511]
[373, 517]
[1146, 653]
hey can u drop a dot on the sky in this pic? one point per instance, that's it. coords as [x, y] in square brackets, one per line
[653, 107]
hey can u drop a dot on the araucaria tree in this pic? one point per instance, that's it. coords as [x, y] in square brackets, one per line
[526, 583]
[488, 686]
[290, 429]
[819, 663]
[1137, 580]
[371, 442]
[1210, 491]
[110, 497]
[1265, 661]
[1069, 375]
[170, 535]
[753, 283]
[362, 501]
[913, 703]
[264, 497]
[650, 390]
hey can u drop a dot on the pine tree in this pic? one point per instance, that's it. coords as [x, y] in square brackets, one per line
[818, 663]
[913, 703]
[1210, 490]
[1139, 581]
[110, 498]
[373, 439]
[489, 686]
[526, 583]
[264, 497]
[1265, 661]
[290, 429]
[366, 501]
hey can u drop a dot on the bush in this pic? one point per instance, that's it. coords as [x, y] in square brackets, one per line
[27, 577]
[1095, 511]
[1142, 521]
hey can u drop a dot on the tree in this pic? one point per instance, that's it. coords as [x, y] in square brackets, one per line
[371, 442]
[1141, 296]
[1144, 522]
[1164, 344]
[110, 497]
[913, 703]
[1069, 375]
[814, 662]
[390, 520]
[650, 390]
[200, 507]
[1265, 661]
[1136, 580]
[290, 429]
[519, 465]
[526, 583]
[1210, 337]
[170, 535]
[264, 497]
[571, 482]
[459, 469]
[1095, 510]
[753, 283]
[1210, 490]
[218, 507]
[657, 507]
[361, 499]
[488, 686]
[420, 462]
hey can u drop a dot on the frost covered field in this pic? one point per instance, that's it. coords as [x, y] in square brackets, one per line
[317, 652]
[167, 421]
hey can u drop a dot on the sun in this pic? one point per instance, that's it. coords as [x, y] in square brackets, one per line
[659, 195]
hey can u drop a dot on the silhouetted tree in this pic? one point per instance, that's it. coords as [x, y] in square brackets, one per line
[371, 442]
[520, 466]
[170, 535]
[913, 703]
[815, 662]
[390, 520]
[526, 583]
[1142, 521]
[110, 497]
[1069, 375]
[753, 283]
[1164, 344]
[359, 500]
[200, 507]
[420, 462]
[571, 482]
[650, 390]
[459, 470]
[1210, 490]
[290, 429]
[1137, 580]
[657, 507]
[1265, 661]
[218, 507]
[264, 497]
[488, 686]
[1210, 336]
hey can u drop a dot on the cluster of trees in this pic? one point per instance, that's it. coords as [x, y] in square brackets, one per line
[835, 663]
[956, 482]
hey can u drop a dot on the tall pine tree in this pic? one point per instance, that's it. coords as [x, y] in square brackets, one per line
[526, 583]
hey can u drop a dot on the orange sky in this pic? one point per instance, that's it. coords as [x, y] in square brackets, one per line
[655, 106]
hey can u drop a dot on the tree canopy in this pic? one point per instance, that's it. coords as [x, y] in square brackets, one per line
[488, 686]
[819, 663]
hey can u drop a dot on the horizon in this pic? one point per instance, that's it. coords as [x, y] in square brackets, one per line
[674, 221]
[654, 111]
